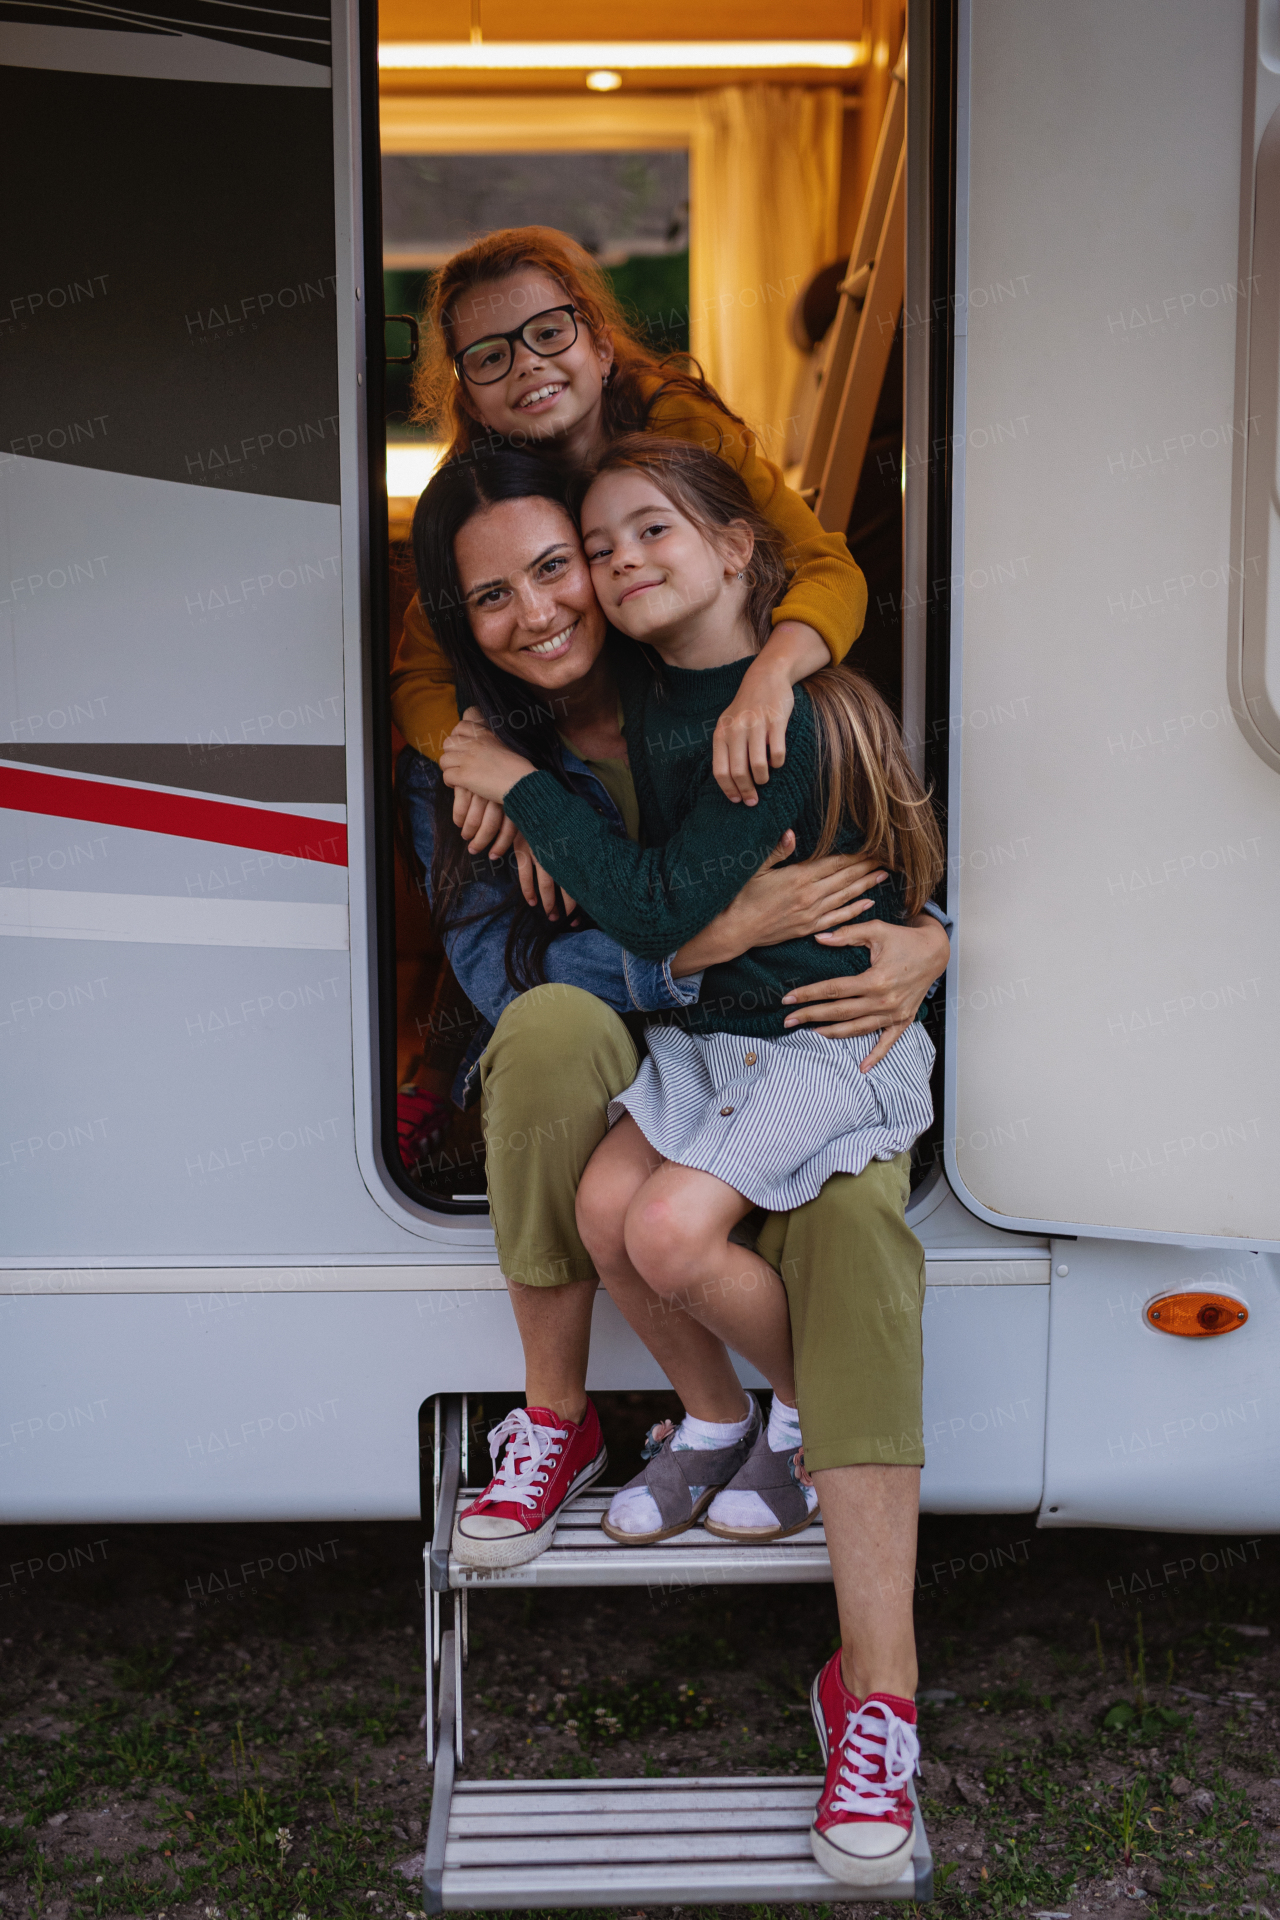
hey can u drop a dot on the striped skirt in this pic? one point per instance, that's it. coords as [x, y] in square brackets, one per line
[774, 1119]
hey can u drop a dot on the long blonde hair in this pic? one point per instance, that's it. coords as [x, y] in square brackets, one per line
[869, 779]
[863, 766]
[638, 375]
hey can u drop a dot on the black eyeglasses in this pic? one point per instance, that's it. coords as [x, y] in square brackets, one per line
[545, 334]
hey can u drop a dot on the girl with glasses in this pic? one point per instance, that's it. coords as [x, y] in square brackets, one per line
[564, 387]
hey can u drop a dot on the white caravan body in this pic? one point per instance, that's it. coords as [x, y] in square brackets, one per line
[216, 1302]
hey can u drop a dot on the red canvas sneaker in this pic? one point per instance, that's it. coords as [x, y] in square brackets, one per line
[861, 1832]
[545, 1463]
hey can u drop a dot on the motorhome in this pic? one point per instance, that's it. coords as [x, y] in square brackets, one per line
[1042, 395]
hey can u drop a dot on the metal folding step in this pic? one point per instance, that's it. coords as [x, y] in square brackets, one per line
[581, 1843]
[581, 1555]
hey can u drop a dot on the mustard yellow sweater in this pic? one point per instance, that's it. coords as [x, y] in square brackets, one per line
[827, 591]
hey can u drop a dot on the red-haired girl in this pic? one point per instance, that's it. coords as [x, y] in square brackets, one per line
[528, 347]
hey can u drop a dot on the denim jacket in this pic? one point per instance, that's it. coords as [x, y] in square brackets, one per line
[589, 960]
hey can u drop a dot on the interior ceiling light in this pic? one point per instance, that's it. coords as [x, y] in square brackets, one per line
[604, 80]
[490, 56]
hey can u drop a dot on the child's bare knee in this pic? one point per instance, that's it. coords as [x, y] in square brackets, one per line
[598, 1208]
[660, 1246]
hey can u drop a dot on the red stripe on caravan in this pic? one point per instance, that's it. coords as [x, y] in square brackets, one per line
[176, 813]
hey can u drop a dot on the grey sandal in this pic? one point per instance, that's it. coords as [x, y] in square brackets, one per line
[669, 1474]
[780, 1481]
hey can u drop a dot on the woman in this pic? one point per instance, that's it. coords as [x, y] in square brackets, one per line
[561, 1051]
[865, 1365]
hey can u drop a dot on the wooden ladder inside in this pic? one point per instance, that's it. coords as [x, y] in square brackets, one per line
[861, 337]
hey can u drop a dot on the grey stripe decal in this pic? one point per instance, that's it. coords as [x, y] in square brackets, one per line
[315, 774]
[148, 56]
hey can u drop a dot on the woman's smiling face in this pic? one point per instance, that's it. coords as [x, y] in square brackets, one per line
[530, 602]
[539, 397]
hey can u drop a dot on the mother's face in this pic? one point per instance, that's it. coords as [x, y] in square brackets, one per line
[530, 601]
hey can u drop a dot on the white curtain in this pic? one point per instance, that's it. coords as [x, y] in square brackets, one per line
[764, 186]
[764, 194]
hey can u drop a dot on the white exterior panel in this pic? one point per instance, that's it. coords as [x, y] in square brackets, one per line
[1116, 840]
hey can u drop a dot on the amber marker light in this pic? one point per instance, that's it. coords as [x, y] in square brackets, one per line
[1195, 1314]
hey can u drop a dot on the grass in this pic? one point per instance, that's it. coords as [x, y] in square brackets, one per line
[268, 1754]
[601, 1716]
[221, 1826]
[1130, 1827]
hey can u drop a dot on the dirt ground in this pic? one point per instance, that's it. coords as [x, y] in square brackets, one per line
[222, 1723]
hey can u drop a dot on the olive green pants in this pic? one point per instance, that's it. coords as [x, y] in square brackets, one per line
[852, 1268]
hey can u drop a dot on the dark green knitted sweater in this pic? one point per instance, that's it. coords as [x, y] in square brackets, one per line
[697, 850]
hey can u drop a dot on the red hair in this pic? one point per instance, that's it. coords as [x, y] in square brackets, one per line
[638, 374]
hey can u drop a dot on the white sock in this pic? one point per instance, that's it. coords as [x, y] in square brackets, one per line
[705, 1434]
[784, 1427]
[743, 1508]
[635, 1510]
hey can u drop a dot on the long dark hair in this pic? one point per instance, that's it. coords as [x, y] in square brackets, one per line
[519, 714]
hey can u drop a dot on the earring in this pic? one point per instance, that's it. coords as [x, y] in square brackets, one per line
[742, 576]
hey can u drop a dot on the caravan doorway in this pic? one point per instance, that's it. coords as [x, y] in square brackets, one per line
[642, 178]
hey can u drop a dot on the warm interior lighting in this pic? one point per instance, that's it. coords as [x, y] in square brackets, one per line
[1196, 1314]
[604, 80]
[491, 56]
[410, 464]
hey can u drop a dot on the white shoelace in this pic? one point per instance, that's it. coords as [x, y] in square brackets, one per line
[529, 1447]
[874, 1737]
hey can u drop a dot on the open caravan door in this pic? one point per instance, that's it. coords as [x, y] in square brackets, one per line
[1114, 1028]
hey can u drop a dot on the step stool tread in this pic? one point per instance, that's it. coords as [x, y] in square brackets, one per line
[751, 1883]
[658, 1844]
[582, 1555]
[515, 1810]
[583, 1516]
[477, 1826]
[580, 1842]
[626, 1786]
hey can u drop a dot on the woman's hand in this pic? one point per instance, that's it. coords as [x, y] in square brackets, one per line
[792, 904]
[905, 962]
[751, 733]
[474, 758]
[482, 824]
[536, 884]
